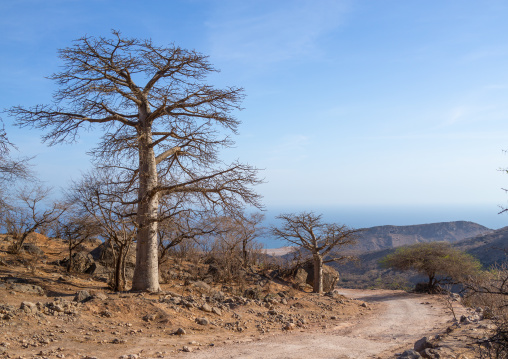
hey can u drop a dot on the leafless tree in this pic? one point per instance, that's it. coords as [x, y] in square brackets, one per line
[489, 290]
[9, 167]
[30, 213]
[181, 226]
[100, 198]
[238, 234]
[76, 229]
[307, 230]
[165, 133]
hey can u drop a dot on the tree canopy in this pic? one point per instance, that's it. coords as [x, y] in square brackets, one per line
[439, 261]
[163, 127]
[308, 231]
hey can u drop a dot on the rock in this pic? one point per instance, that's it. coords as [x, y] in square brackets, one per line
[429, 353]
[106, 314]
[206, 308]
[289, 326]
[28, 307]
[98, 270]
[100, 296]
[180, 331]
[364, 305]
[81, 262]
[422, 344]
[118, 341]
[27, 288]
[201, 286]
[410, 354]
[217, 311]
[58, 308]
[82, 296]
[104, 255]
[186, 349]
[330, 276]
[252, 293]
[301, 275]
[334, 294]
[130, 356]
[32, 249]
[202, 321]
[149, 317]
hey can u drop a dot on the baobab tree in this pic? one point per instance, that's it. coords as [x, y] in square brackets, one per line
[322, 240]
[163, 125]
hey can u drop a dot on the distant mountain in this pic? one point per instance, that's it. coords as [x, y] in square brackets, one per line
[383, 237]
[490, 248]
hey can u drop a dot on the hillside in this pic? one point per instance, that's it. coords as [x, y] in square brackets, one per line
[489, 249]
[383, 237]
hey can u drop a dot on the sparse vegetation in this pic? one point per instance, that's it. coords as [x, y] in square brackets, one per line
[489, 291]
[162, 138]
[438, 261]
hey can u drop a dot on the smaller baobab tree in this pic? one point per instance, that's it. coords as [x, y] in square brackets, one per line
[322, 240]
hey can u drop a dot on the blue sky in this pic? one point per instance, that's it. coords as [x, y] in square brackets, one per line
[360, 107]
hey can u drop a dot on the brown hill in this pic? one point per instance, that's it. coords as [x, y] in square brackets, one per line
[489, 249]
[383, 237]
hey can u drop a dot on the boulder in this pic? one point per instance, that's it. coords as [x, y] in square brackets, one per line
[410, 354]
[27, 288]
[82, 296]
[31, 248]
[202, 321]
[28, 307]
[81, 262]
[104, 255]
[422, 344]
[330, 276]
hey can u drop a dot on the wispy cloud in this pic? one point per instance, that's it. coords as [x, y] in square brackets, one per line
[248, 31]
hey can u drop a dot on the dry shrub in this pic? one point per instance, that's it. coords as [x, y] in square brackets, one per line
[490, 292]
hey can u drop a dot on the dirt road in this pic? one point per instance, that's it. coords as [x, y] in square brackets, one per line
[398, 319]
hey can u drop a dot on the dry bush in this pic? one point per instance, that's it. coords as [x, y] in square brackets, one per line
[490, 292]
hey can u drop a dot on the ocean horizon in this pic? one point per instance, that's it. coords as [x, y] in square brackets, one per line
[365, 216]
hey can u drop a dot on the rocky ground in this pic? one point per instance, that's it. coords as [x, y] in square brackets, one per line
[48, 313]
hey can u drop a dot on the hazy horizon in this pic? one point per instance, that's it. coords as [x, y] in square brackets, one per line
[365, 217]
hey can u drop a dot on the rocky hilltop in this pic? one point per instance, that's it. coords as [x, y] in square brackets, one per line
[490, 248]
[383, 237]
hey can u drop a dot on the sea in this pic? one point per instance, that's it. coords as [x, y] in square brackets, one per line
[370, 216]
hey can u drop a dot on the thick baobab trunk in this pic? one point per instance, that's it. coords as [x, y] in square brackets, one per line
[318, 274]
[146, 273]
